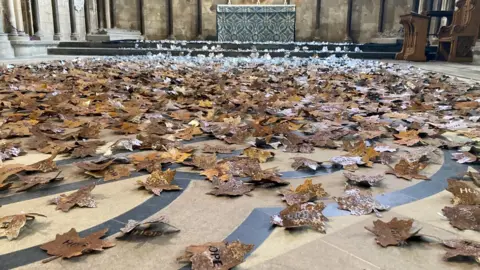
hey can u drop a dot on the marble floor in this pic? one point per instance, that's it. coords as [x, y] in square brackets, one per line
[203, 218]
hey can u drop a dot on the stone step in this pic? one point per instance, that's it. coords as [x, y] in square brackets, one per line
[226, 53]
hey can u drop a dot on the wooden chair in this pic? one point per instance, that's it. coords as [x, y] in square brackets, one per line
[415, 37]
[455, 41]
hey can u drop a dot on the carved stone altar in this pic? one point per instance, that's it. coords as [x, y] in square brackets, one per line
[256, 23]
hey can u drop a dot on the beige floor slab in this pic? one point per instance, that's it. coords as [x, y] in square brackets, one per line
[282, 241]
[429, 210]
[112, 200]
[315, 255]
[417, 255]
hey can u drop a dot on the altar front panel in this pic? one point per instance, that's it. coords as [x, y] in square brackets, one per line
[256, 23]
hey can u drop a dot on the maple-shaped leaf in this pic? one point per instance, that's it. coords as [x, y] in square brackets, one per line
[127, 128]
[116, 172]
[463, 194]
[462, 248]
[100, 165]
[408, 138]
[8, 170]
[149, 162]
[408, 170]
[150, 227]
[217, 149]
[359, 202]
[304, 193]
[81, 198]
[27, 182]
[12, 225]
[181, 115]
[216, 255]
[90, 131]
[364, 180]
[396, 232]
[305, 163]
[202, 161]
[348, 162]
[360, 149]
[46, 165]
[73, 123]
[175, 155]
[222, 171]
[297, 144]
[159, 181]
[232, 187]
[300, 215]
[268, 176]
[464, 157]
[261, 155]
[9, 150]
[70, 244]
[126, 144]
[463, 217]
[86, 149]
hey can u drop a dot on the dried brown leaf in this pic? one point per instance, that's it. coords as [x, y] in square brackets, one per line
[300, 215]
[12, 225]
[408, 170]
[463, 194]
[159, 181]
[81, 198]
[396, 232]
[359, 203]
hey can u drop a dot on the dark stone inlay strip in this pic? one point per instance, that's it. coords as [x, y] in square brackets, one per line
[140, 212]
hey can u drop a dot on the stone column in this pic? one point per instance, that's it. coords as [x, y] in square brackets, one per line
[88, 22]
[113, 9]
[11, 18]
[19, 17]
[6, 50]
[73, 21]
[56, 21]
[36, 20]
[106, 8]
[348, 29]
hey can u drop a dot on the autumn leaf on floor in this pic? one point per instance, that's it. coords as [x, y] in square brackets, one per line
[232, 187]
[256, 153]
[463, 217]
[98, 165]
[12, 225]
[216, 255]
[149, 162]
[348, 163]
[222, 171]
[303, 193]
[464, 157]
[359, 202]
[159, 181]
[408, 138]
[305, 163]
[150, 227]
[463, 194]
[360, 149]
[474, 176]
[70, 244]
[297, 144]
[127, 128]
[300, 215]
[81, 198]
[86, 149]
[8, 170]
[364, 180]
[408, 170]
[396, 232]
[175, 155]
[16, 129]
[73, 123]
[90, 131]
[116, 172]
[188, 133]
[217, 149]
[202, 161]
[46, 165]
[268, 176]
[462, 248]
[126, 144]
[9, 150]
[29, 181]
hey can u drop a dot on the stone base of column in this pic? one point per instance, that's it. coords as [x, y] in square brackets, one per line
[6, 50]
[57, 37]
[32, 47]
[115, 34]
[476, 48]
[19, 38]
[387, 40]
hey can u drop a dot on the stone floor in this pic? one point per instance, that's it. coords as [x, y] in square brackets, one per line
[203, 218]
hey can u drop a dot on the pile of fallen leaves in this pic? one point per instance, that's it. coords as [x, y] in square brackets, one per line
[115, 117]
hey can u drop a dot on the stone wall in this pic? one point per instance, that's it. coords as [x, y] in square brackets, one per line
[333, 18]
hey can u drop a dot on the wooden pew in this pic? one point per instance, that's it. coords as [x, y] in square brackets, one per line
[455, 41]
[415, 37]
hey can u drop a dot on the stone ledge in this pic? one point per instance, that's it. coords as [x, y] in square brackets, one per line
[32, 47]
[387, 40]
[6, 50]
[115, 34]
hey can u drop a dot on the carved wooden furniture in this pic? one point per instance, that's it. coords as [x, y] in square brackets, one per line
[415, 37]
[455, 41]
